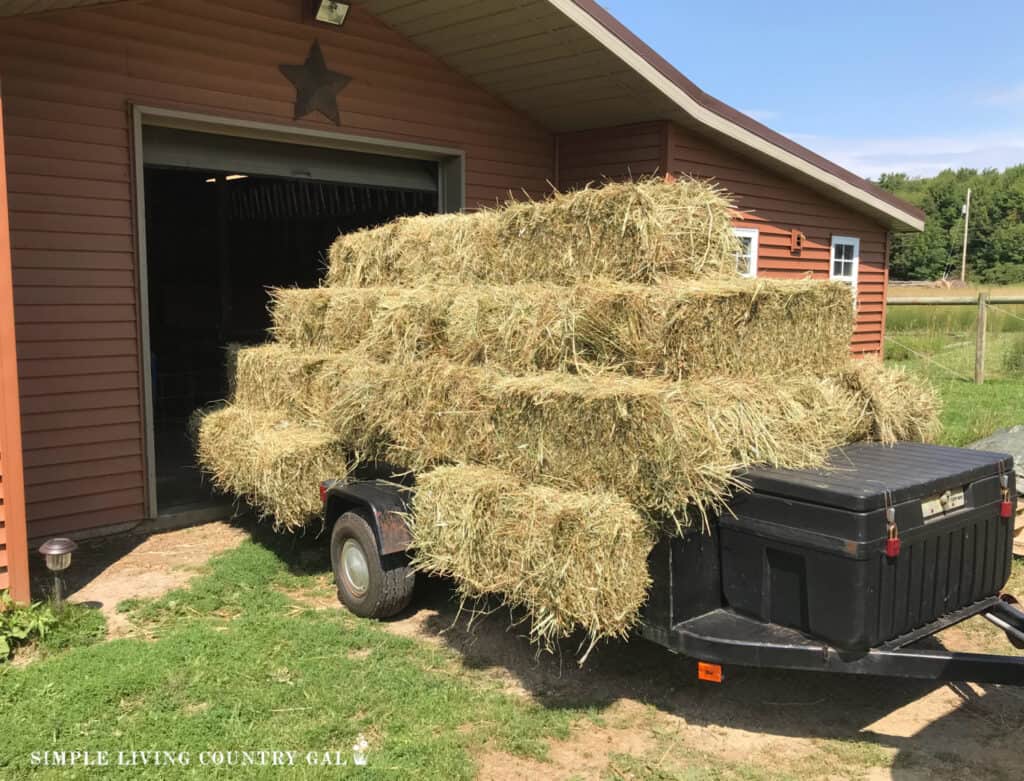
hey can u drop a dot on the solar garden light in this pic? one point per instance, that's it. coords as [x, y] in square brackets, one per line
[57, 553]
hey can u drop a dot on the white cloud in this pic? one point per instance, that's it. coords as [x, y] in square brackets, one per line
[918, 155]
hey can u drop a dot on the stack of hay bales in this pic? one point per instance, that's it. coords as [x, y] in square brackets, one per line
[566, 378]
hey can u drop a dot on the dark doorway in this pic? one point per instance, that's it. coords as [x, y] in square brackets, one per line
[216, 240]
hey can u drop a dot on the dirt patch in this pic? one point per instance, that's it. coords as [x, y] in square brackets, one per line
[589, 751]
[803, 724]
[320, 598]
[150, 566]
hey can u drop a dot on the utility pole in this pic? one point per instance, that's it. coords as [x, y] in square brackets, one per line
[967, 224]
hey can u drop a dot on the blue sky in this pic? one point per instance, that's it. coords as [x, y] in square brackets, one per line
[902, 85]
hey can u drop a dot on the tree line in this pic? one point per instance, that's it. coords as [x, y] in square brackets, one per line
[995, 248]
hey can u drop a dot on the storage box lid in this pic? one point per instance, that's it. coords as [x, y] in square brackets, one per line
[857, 477]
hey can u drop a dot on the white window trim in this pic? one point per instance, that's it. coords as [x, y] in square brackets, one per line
[753, 234]
[856, 262]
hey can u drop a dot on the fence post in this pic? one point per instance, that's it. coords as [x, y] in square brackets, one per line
[979, 355]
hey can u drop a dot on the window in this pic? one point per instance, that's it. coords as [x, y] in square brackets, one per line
[746, 258]
[845, 259]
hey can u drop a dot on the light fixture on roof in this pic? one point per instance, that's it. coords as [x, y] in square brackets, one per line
[330, 12]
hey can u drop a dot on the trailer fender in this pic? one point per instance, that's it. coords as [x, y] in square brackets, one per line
[386, 505]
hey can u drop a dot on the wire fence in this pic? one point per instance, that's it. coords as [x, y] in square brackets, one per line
[974, 338]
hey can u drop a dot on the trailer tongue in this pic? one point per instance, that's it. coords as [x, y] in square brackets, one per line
[842, 569]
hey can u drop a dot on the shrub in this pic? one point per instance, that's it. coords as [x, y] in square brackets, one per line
[20, 624]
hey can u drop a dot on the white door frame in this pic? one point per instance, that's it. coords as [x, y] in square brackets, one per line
[451, 197]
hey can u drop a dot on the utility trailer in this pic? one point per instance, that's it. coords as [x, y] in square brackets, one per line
[843, 569]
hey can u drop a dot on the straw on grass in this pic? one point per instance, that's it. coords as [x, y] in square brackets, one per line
[573, 560]
[641, 231]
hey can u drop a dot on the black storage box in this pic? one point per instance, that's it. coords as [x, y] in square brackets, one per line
[807, 549]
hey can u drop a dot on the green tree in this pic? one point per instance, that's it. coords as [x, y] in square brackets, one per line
[996, 244]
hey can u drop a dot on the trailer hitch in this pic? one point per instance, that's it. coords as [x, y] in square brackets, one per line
[1008, 616]
[723, 637]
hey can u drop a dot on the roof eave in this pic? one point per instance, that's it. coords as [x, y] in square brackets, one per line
[722, 119]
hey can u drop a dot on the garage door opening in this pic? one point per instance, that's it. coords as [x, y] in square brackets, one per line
[216, 239]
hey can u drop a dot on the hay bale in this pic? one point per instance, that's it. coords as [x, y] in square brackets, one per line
[642, 232]
[676, 330]
[298, 315]
[898, 407]
[269, 460]
[667, 447]
[277, 378]
[572, 560]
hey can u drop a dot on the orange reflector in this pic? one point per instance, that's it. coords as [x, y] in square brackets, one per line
[710, 672]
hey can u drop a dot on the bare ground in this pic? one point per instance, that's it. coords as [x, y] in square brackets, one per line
[656, 720]
[148, 566]
[805, 724]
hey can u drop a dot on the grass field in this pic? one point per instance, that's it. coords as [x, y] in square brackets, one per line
[237, 661]
[938, 342]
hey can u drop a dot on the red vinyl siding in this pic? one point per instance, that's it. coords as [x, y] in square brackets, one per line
[765, 201]
[70, 78]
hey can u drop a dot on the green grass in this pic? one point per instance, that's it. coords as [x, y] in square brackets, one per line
[951, 355]
[972, 412]
[938, 342]
[77, 626]
[1003, 318]
[953, 319]
[942, 338]
[234, 663]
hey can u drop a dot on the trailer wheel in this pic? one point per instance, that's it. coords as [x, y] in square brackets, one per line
[369, 585]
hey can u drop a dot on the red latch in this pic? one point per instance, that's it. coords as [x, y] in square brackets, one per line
[1006, 508]
[893, 544]
[323, 493]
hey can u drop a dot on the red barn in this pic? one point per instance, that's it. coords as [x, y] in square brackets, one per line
[166, 161]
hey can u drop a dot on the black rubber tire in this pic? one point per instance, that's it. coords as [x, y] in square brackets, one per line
[391, 579]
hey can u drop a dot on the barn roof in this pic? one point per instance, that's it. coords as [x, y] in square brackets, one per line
[570, 65]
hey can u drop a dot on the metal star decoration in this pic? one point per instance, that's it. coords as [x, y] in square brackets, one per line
[316, 87]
